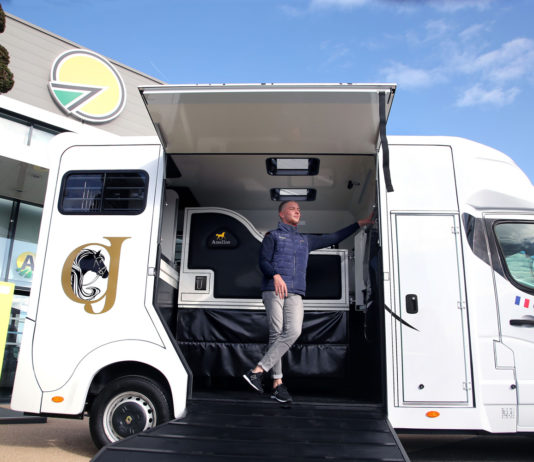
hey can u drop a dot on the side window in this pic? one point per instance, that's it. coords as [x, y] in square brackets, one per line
[516, 243]
[104, 193]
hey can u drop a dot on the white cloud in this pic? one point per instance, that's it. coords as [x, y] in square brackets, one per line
[452, 6]
[490, 77]
[511, 61]
[405, 6]
[436, 29]
[447, 6]
[335, 52]
[477, 95]
[472, 31]
[448, 52]
[337, 3]
[291, 10]
[338, 53]
[432, 30]
[410, 77]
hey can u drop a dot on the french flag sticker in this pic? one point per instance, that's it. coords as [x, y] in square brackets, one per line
[519, 301]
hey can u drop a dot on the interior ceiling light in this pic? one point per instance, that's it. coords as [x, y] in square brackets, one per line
[289, 194]
[292, 167]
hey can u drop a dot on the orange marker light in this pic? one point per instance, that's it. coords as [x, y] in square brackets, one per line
[58, 399]
[432, 414]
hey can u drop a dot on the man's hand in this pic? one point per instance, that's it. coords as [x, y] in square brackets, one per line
[280, 287]
[366, 221]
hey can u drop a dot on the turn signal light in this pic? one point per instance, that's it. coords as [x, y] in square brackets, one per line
[432, 414]
[58, 399]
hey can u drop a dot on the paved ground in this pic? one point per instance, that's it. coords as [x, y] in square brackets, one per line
[469, 448]
[58, 440]
[61, 440]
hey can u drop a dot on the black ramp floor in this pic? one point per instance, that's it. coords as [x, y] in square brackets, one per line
[224, 431]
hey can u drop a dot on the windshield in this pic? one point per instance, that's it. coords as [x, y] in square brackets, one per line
[516, 241]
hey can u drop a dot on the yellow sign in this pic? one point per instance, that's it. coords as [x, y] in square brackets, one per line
[6, 299]
[25, 264]
[87, 86]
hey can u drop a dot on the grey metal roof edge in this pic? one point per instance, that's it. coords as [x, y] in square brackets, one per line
[266, 86]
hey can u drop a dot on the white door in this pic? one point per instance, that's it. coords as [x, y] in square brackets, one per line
[432, 342]
[94, 279]
[512, 242]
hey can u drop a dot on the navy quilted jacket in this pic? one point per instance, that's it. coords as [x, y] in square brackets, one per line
[284, 251]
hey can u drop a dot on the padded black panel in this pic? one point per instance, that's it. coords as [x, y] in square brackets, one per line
[250, 326]
[237, 273]
[235, 264]
[223, 343]
[208, 359]
[323, 277]
[166, 299]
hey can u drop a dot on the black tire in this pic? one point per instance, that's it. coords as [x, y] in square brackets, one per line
[126, 406]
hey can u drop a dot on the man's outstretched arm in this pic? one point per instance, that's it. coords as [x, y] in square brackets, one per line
[324, 240]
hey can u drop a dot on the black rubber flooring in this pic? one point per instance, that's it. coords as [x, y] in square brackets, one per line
[261, 430]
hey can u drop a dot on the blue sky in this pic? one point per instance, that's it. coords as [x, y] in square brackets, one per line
[464, 67]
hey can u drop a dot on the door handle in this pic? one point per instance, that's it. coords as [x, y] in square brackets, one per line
[522, 322]
[411, 304]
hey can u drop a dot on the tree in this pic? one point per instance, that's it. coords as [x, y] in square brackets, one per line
[6, 76]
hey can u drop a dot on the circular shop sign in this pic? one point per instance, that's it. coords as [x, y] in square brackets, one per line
[86, 85]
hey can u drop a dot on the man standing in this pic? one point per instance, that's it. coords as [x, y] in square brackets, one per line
[283, 261]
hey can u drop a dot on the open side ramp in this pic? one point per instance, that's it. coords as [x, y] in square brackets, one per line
[229, 431]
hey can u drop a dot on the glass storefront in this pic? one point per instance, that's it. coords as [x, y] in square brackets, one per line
[6, 207]
[24, 245]
[19, 232]
[12, 346]
[24, 132]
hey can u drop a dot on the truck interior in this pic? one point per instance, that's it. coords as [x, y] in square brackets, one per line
[233, 153]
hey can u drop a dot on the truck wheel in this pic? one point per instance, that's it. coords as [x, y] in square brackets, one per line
[126, 406]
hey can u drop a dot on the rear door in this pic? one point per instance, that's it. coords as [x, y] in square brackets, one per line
[511, 238]
[428, 305]
[101, 239]
[431, 299]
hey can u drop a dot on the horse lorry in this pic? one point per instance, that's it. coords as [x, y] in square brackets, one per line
[146, 294]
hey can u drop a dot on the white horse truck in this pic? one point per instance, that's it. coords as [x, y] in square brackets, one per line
[145, 306]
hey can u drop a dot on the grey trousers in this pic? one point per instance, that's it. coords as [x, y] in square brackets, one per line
[285, 325]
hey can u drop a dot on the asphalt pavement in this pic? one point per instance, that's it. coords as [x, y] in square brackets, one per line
[63, 440]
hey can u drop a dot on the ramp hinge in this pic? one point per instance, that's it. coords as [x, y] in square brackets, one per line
[455, 230]
[461, 305]
[351, 255]
[466, 386]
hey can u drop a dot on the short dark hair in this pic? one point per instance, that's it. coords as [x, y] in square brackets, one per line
[282, 204]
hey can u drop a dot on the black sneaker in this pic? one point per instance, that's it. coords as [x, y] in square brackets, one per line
[281, 394]
[254, 379]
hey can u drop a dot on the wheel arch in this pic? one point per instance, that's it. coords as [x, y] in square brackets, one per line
[126, 368]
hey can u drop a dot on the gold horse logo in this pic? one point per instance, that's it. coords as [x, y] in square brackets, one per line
[220, 235]
[72, 272]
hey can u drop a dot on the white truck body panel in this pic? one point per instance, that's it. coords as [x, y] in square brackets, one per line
[485, 180]
[101, 332]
